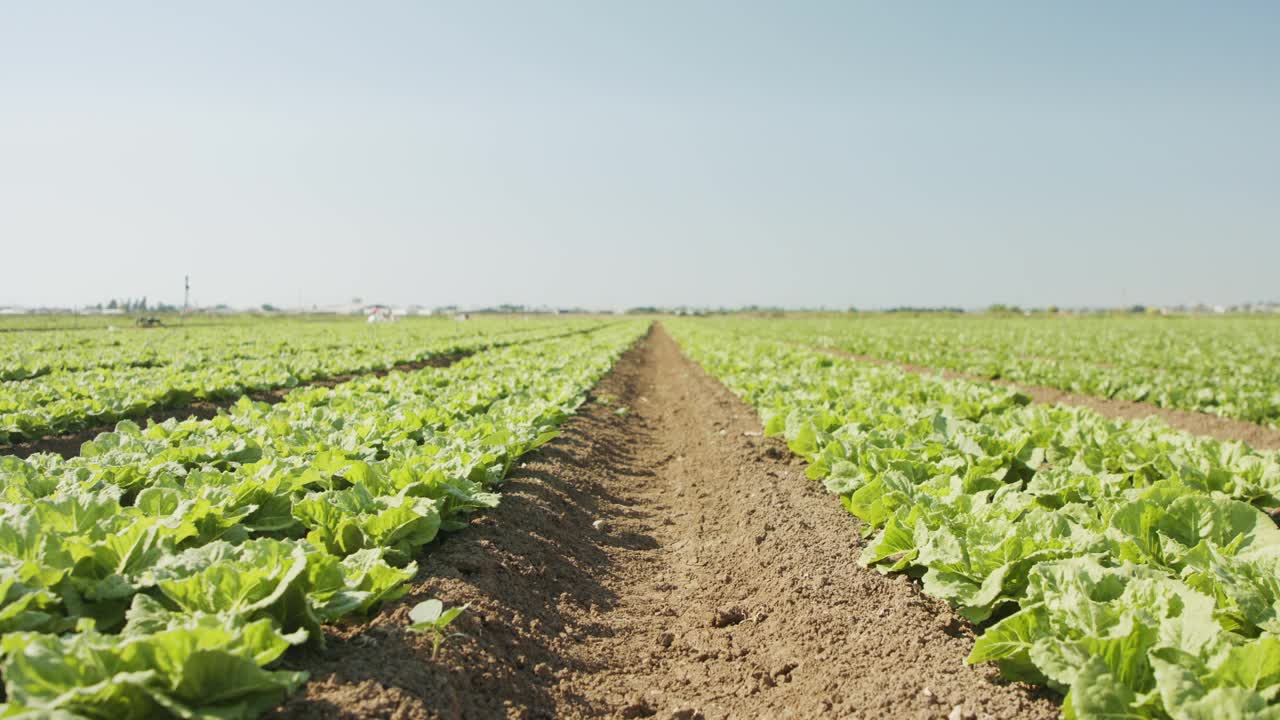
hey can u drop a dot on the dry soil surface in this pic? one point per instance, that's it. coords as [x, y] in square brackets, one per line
[661, 558]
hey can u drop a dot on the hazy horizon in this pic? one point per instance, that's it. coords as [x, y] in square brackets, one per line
[618, 154]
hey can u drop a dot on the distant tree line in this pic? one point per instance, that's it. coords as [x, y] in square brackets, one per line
[909, 309]
[131, 305]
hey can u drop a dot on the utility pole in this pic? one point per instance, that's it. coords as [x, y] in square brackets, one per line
[186, 296]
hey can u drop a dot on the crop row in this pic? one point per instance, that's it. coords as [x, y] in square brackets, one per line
[1226, 367]
[1124, 564]
[28, 355]
[66, 401]
[163, 570]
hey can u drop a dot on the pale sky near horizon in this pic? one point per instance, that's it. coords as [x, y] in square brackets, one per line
[605, 154]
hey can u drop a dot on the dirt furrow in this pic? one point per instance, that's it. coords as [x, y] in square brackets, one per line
[662, 559]
[1197, 423]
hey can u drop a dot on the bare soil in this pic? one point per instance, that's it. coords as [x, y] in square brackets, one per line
[1198, 423]
[69, 445]
[661, 559]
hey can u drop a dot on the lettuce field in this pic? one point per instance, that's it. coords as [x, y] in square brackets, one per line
[805, 516]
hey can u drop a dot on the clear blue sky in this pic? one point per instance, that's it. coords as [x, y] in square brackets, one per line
[621, 153]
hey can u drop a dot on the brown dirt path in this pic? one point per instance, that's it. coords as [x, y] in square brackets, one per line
[1197, 423]
[666, 562]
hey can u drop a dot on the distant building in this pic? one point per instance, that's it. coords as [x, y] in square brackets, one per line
[380, 314]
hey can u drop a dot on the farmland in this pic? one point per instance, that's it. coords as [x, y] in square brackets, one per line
[1228, 367]
[680, 517]
[77, 380]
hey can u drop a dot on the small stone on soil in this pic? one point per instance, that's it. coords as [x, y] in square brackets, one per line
[725, 617]
[638, 709]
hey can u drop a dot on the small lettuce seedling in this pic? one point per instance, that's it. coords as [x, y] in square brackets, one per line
[431, 616]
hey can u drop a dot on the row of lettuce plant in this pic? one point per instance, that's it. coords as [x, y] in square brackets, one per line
[1223, 366]
[62, 402]
[312, 346]
[34, 354]
[162, 571]
[1125, 564]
